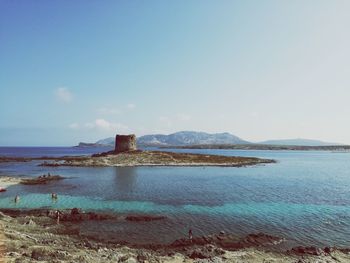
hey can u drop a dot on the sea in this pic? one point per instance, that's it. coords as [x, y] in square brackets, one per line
[304, 197]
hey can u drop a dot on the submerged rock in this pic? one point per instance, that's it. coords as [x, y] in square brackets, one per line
[229, 241]
[146, 218]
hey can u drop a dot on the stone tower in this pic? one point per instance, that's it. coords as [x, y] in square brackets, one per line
[124, 143]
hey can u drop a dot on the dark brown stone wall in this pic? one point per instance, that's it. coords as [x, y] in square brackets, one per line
[124, 143]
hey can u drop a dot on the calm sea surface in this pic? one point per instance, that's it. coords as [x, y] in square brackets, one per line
[304, 197]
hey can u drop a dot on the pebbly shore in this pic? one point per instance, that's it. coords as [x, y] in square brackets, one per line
[34, 236]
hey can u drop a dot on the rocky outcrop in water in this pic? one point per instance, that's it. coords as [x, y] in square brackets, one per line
[229, 241]
[42, 179]
[156, 158]
[144, 218]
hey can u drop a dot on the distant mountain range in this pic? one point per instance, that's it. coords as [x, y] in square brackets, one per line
[189, 138]
[185, 138]
[298, 142]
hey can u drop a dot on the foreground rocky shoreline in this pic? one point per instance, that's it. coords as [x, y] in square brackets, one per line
[32, 236]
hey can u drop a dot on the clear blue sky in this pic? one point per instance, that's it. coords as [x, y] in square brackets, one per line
[75, 71]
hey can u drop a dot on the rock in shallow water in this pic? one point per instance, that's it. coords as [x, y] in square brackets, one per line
[307, 251]
[146, 218]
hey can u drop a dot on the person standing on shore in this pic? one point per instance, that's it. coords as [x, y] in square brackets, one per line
[190, 235]
[58, 215]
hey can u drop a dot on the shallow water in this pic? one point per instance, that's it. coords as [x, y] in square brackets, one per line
[304, 197]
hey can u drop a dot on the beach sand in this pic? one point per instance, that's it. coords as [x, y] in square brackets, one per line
[6, 181]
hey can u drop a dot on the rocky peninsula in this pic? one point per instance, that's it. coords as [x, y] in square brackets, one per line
[155, 158]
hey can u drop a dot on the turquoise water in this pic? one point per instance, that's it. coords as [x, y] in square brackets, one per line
[304, 197]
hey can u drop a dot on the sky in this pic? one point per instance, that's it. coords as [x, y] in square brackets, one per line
[74, 71]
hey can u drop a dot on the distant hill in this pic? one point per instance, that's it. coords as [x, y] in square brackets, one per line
[88, 144]
[176, 139]
[298, 142]
[107, 141]
[265, 147]
[189, 138]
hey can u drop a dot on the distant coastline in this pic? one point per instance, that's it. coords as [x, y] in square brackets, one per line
[203, 140]
[251, 146]
[336, 148]
[87, 144]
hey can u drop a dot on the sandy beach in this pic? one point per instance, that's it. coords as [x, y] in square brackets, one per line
[6, 181]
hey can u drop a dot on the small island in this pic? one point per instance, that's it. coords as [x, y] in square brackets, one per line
[6, 181]
[42, 179]
[127, 154]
